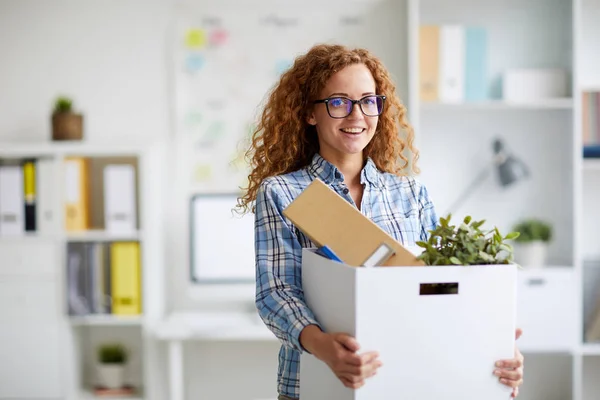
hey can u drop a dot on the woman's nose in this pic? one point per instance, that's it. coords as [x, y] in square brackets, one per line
[356, 111]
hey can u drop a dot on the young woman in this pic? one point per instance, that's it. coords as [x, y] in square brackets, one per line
[335, 116]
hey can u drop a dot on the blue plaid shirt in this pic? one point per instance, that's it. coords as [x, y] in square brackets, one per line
[399, 205]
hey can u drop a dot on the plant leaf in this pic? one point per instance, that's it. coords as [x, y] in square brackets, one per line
[455, 261]
[512, 236]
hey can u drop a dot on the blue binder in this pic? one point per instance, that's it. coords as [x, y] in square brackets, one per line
[476, 76]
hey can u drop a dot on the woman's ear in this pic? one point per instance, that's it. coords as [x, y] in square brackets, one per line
[310, 118]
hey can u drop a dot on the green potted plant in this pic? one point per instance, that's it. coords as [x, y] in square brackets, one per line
[112, 358]
[465, 244]
[66, 123]
[531, 247]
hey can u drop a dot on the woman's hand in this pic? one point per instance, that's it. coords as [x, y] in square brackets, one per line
[339, 352]
[510, 372]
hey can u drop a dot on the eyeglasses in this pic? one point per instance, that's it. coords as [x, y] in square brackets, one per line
[341, 107]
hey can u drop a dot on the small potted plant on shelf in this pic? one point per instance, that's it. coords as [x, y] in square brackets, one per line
[112, 358]
[465, 244]
[531, 247]
[66, 123]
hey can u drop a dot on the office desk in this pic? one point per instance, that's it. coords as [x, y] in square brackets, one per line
[205, 326]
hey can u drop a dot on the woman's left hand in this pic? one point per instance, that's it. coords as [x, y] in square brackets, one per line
[510, 372]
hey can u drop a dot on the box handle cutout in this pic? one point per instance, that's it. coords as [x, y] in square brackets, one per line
[536, 282]
[437, 289]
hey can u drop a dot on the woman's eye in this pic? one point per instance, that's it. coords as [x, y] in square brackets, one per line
[369, 101]
[337, 102]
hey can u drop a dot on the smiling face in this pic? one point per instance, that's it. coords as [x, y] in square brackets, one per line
[345, 137]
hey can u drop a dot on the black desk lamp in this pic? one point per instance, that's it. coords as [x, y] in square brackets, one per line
[509, 168]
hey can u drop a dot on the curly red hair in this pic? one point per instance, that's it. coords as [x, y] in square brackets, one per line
[283, 140]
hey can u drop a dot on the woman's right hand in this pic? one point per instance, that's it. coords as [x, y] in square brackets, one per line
[340, 352]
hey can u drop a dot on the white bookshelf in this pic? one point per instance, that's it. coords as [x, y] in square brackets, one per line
[77, 337]
[591, 165]
[547, 136]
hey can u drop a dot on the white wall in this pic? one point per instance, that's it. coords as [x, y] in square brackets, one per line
[109, 56]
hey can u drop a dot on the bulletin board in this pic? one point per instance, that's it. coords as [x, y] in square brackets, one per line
[226, 62]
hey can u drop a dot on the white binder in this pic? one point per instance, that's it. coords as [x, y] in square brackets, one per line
[119, 198]
[12, 200]
[452, 63]
[45, 177]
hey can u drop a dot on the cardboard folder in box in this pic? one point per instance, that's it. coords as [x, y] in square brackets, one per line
[329, 220]
[433, 346]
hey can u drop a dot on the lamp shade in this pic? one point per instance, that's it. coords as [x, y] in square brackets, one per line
[510, 168]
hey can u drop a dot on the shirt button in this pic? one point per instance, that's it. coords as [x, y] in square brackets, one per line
[346, 191]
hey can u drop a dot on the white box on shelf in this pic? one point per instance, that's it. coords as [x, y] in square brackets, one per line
[432, 346]
[525, 85]
[547, 298]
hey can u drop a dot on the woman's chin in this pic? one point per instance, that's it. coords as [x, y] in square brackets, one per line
[353, 151]
[355, 148]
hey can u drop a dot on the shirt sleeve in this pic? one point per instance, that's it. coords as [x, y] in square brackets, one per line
[279, 295]
[427, 213]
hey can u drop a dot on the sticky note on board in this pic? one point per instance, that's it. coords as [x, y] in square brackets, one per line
[202, 173]
[194, 62]
[195, 39]
[193, 119]
[219, 37]
[327, 219]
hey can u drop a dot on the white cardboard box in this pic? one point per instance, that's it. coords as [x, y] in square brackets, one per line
[433, 347]
[523, 85]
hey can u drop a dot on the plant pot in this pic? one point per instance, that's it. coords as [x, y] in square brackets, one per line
[110, 376]
[67, 126]
[531, 254]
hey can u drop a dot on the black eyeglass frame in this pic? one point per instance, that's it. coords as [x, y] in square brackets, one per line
[326, 101]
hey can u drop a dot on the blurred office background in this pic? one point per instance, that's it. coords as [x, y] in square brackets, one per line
[125, 240]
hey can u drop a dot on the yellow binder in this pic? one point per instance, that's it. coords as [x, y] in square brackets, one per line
[429, 59]
[125, 271]
[30, 195]
[77, 202]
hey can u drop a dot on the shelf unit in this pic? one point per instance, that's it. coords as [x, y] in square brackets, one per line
[559, 104]
[89, 395]
[106, 320]
[547, 135]
[102, 236]
[590, 349]
[591, 165]
[72, 368]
